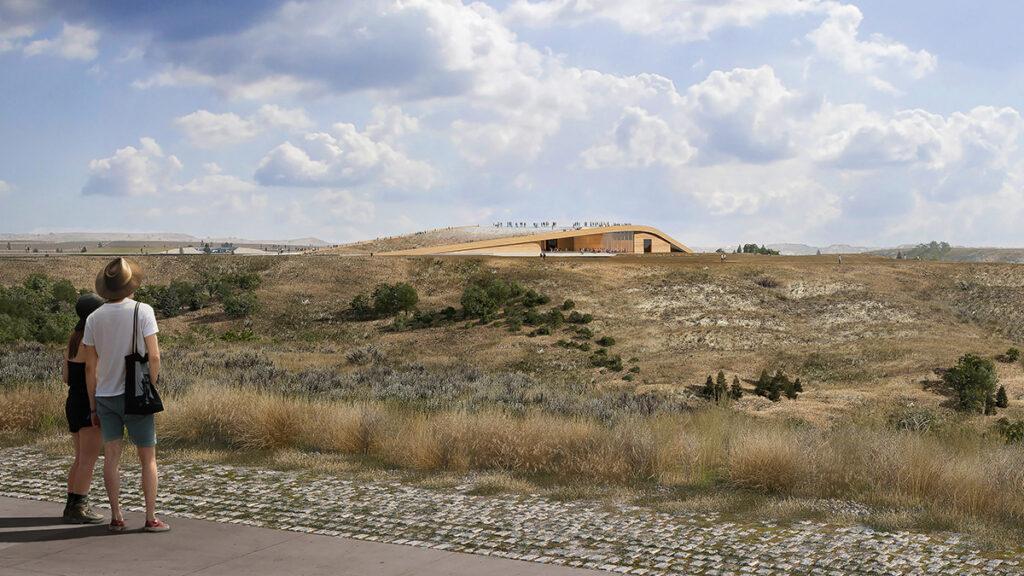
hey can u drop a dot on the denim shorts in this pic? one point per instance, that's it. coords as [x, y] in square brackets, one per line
[113, 421]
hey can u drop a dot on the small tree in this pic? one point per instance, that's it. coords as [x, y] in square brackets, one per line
[1002, 400]
[361, 307]
[974, 381]
[708, 391]
[721, 387]
[763, 384]
[736, 391]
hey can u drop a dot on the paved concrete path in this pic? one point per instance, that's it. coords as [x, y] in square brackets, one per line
[34, 542]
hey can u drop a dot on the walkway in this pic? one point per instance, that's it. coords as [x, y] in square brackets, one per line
[34, 543]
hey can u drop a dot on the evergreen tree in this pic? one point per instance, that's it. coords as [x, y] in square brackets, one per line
[708, 391]
[721, 387]
[763, 384]
[736, 391]
[990, 405]
[1002, 400]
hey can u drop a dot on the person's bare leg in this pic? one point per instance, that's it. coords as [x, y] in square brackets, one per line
[74, 465]
[147, 461]
[90, 441]
[112, 476]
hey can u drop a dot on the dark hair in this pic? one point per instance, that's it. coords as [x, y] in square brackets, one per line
[73, 342]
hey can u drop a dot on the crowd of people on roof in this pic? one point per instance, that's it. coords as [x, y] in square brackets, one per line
[553, 224]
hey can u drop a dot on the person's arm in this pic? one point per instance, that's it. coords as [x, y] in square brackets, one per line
[153, 351]
[90, 380]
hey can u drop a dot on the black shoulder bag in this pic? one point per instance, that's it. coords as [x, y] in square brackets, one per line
[140, 395]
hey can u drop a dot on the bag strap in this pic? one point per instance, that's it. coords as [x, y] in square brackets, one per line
[135, 326]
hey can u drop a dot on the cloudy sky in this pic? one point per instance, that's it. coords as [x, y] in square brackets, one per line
[720, 121]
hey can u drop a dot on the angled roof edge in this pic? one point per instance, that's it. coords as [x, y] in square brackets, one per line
[511, 240]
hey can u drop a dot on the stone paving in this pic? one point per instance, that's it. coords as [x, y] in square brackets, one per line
[621, 538]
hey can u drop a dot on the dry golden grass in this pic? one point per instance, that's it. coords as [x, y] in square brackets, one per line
[960, 480]
[32, 409]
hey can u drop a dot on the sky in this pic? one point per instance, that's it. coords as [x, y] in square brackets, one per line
[722, 122]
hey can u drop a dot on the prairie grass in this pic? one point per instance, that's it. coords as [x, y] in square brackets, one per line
[950, 477]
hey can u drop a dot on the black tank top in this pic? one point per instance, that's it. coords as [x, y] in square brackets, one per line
[76, 376]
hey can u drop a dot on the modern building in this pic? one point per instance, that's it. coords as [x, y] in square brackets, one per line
[626, 239]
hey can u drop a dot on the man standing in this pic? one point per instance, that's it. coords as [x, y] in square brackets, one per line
[107, 340]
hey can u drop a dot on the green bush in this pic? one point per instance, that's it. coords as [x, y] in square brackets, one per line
[576, 317]
[736, 390]
[1002, 400]
[39, 310]
[1013, 431]
[1010, 356]
[240, 304]
[974, 381]
[361, 307]
[606, 341]
[583, 333]
[389, 299]
[568, 305]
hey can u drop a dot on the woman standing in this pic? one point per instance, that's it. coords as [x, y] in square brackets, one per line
[85, 437]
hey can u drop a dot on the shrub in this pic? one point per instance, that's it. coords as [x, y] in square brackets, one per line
[602, 359]
[584, 333]
[1012, 432]
[767, 282]
[606, 341]
[389, 299]
[974, 381]
[1002, 400]
[575, 317]
[39, 310]
[240, 304]
[736, 390]
[568, 305]
[361, 307]
[1010, 356]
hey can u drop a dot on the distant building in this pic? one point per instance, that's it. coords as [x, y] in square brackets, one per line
[225, 248]
[621, 239]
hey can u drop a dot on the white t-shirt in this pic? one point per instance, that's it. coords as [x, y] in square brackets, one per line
[109, 329]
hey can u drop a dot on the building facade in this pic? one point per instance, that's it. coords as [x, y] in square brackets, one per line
[626, 239]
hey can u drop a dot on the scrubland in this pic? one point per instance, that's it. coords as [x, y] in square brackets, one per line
[875, 426]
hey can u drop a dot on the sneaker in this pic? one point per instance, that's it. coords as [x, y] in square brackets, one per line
[116, 525]
[156, 525]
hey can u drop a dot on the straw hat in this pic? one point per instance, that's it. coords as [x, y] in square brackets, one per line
[119, 279]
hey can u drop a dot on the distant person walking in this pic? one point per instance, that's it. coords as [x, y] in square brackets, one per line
[84, 436]
[108, 339]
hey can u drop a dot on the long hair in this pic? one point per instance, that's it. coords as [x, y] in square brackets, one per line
[73, 342]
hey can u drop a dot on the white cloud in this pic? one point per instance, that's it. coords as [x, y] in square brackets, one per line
[837, 40]
[11, 37]
[5, 187]
[985, 137]
[746, 114]
[74, 43]
[678, 20]
[132, 171]
[206, 129]
[640, 140]
[343, 157]
[346, 205]
[389, 123]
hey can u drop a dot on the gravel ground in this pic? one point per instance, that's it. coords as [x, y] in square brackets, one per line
[619, 538]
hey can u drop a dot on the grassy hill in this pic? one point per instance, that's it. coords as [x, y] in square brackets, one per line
[869, 340]
[870, 328]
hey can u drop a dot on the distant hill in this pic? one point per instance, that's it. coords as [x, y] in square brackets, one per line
[805, 250]
[960, 254]
[144, 237]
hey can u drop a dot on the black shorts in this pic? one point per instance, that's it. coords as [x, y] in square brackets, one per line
[77, 411]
